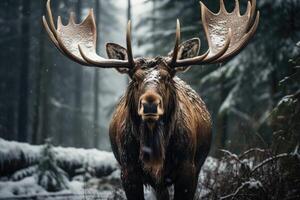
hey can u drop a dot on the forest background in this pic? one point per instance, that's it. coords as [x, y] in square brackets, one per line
[43, 94]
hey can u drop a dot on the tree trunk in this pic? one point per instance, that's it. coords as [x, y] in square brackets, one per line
[221, 124]
[38, 89]
[129, 11]
[154, 27]
[78, 130]
[23, 88]
[43, 118]
[96, 82]
[10, 68]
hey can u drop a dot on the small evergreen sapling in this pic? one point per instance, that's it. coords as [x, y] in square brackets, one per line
[49, 175]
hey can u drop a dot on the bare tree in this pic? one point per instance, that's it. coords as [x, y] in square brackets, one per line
[96, 82]
[78, 90]
[23, 88]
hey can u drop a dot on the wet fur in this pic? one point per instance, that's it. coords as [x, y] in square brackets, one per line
[181, 146]
[152, 151]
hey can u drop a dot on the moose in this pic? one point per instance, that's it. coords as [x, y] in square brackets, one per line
[160, 132]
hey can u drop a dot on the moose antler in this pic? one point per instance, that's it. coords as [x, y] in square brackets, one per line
[78, 41]
[227, 34]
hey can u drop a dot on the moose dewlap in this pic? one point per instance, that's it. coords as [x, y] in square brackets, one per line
[161, 130]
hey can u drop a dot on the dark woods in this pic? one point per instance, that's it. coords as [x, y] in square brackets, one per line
[40, 98]
[42, 93]
[253, 99]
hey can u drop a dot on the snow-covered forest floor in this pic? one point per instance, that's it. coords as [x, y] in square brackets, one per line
[48, 172]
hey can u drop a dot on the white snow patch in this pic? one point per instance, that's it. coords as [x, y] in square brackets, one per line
[253, 184]
[285, 99]
[152, 77]
[27, 186]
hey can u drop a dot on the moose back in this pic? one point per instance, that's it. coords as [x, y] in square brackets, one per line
[161, 130]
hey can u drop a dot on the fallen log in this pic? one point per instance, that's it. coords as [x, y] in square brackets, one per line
[15, 156]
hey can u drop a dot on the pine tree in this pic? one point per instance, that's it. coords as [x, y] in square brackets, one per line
[49, 175]
[285, 118]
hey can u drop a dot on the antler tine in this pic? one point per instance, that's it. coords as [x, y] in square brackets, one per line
[227, 33]
[78, 41]
[72, 18]
[128, 42]
[252, 13]
[237, 8]
[50, 33]
[50, 16]
[186, 62]
[51, 29]
[177, 41]
[222, 6]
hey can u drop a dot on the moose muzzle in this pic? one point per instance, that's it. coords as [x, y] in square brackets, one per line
[150, 106]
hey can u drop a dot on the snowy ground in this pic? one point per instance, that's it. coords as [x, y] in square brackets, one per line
[95, 188]
[23, 182]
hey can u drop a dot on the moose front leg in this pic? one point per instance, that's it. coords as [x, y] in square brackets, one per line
[132, 184]
[186, 182]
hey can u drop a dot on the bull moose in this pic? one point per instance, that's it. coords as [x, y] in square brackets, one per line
[160, 132]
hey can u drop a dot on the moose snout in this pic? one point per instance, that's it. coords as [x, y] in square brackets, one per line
[150, 106]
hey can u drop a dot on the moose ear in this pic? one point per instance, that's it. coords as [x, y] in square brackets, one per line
[187, 49]
[115, 51]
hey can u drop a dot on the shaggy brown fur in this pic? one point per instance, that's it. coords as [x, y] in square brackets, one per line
[168, 151]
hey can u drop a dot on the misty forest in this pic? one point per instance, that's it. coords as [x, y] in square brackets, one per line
[55, 113]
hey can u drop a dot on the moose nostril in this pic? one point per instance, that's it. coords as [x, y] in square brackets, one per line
[150, 108]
